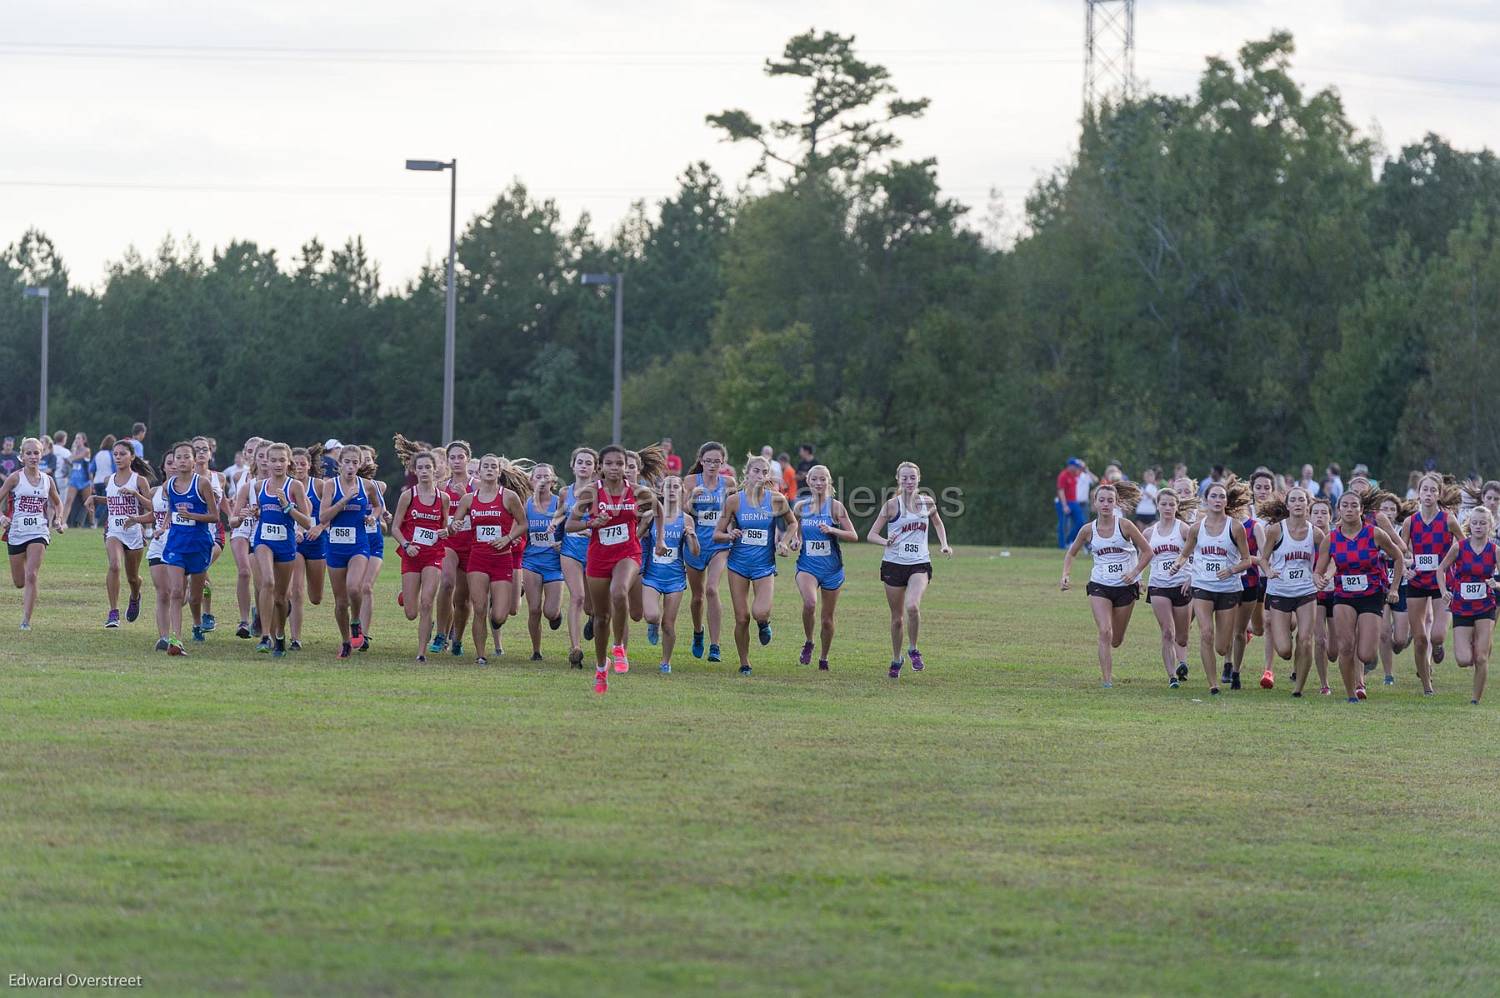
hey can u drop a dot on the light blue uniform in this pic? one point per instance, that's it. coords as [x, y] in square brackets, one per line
[666, 573]
[706, 512]
[189, 544]
[575, 546]
[753, 556]
[820, 556]
[542, 555]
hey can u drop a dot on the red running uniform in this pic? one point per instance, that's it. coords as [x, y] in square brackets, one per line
[423, 526]
[462, 539]
[612, 536]
[491, 521]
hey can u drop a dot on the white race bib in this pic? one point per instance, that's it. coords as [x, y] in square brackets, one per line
[273, 531]
[117, 523]
[373, 528]
[343, 535]
[30, 522]
[1473, 591]
[183, 520]
[1354, 583]
[670, 556]
[1425, 562]
[424, 537]
[542, 539]
[817, 549]
[1115, 568]
[1213, 567]
[756, 537]
[1296, 574]
[488, 533]
[708, 517]
[617, 534]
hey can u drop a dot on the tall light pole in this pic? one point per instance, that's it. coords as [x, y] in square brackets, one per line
[618, 280]
[437, 165]
[45, 294]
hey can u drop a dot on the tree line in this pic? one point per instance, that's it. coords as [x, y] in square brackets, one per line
[1234, 276]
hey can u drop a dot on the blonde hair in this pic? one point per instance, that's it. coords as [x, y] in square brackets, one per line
[908, 464]
[28, 441]
[824, 469]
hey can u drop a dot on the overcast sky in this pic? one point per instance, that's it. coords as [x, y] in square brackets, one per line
[279, 121]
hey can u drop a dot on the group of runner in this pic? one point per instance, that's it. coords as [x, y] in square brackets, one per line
[624, 538]
[1353, 582]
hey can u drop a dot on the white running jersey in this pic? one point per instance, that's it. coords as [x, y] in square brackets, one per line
[122, 504]
[163, 525]
[1165, 547]
[246, 529]
[1113, 555]
[907, 534]
[1214, 553]
[28, 516]
[1293, 562]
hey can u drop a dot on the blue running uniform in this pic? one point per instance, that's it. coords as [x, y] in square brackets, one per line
[666, 573]
[706, 510]
[541, 555]
[346, 532]
[820, 556]
[275, 527]
[375, 533]
[314, 550]
[189, 544]
[575, 546]
[753, 556]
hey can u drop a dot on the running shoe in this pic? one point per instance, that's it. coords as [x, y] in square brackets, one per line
[622, 664]
[1108, 685]
[296, 645]
[198, 634]
[536, 656]
[554, 622]
[1294, 675]
[1325, 691]
[25, 625]
[279, 651]
[1182, 670]
[1437, 651]
[344, 650]
[1267, 680]
[1474, 702]
[1297, 693]
[1213, 691]
[744, 670]
[575, 659]
[481, 660]
[765, 632]
[1354, 699]
[1228, 669]
[1173, 683]
[356, 639]
[601, 681]
[161, 644]
[457, 647]
[209, 621]
[653, 633]
[917, 665]
[439, 642]
[1429, 693]
[588, 628]
[896, 669]
[1234, 680]
[666, 668]
[421, 659]
[133, 608]
[822, 665]
[1390, 680]
[174, 647]
[255, 627]
[697, 644]
[713, 653]
[113, 620]
[1359, 691]
[367, 642]
[806, 657]
[244, 630]
[263, 646]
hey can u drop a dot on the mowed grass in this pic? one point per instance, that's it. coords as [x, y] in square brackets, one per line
[998, 823]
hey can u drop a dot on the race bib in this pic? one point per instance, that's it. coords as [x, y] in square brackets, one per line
[488, 533]
[1296, 574]
[273, 531]
[1354, 583]
[911, 548]
[756, 537]
[424, 536]
[541, 539]
[617, 534]
[117, 523]
[708, 517]
[183, 520]
[1114, 568]
[1213, 567]
[343, 535]
[1425, 562]
[373, 527]
[817, 549]
[1473, 591]
[30, 522]
[670, 556]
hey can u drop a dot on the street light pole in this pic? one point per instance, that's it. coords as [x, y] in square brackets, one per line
[45, 294]
[451, 312]
[617, 281]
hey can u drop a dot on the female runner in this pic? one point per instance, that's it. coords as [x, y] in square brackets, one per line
[574, 548]
[203, 455]
[1325, 642]
[1428, 533]
[420, 522]
[1170, 592]
[666, 572]
[610, 511]
[822, 522]
[453, 594]
[1219, 552]
[749, 523]
[125, 500]
[1350, 559]
[161, 523]
[1113, 587]
[346, 504]
[706, 490]
[185, 555]
[375, 527]
[280, 506]
[34, 504]
[242, 536]
[1287, 561]
[1395, 627]
[905, 567]
[1474, 565]
[541, 562]
[312, 544]
[496, 509]
[1249, 619]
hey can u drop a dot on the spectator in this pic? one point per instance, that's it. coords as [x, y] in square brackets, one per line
[331, 450]
[10, 458]
[674, 461]
[1067, 490]
[1215, 476]
[1308, 482]
[788, 484]
[1084, 491]
[1411, 484]
[1363, 471]
[805, 463]
[1145, 510]
[79, 483]
[770, 457]
[104, 464]
[62, 463]
[1333, 483]
[138, 439]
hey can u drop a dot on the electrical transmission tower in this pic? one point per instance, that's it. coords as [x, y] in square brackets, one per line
[1109, 52]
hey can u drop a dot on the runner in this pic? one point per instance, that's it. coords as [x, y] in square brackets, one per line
[375, 527]
[1248, 620]
[1350, 559]
[1325, 642]
[312, 543]
[1473, 565]
[749, 523]
[706, 489]
[1287, 561]
[420, 522]
[1428, 534]
[1113, 588]
[574, 551]
[125, 500]
[1170, 592]
[346, 505]
[242, 537]
[822, 522]
[497, 512]
[1395, 628]
[905, 567]
[280, 506]
[160, 523]
[666, 572]
[190, 503]
[1219, 552]
[35, 504]
[541, 562]
[203, 456]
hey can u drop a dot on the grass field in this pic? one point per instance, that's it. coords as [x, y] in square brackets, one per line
[998, 823]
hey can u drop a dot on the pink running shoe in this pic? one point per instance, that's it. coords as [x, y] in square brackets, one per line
[622, 664]
[601, 681]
